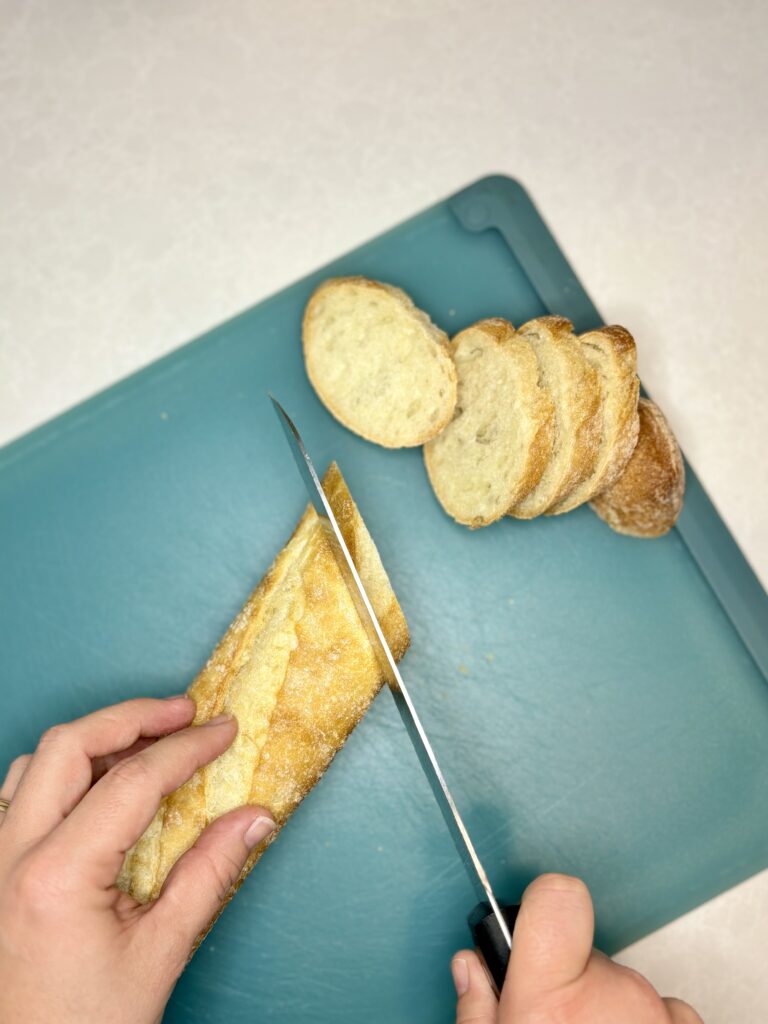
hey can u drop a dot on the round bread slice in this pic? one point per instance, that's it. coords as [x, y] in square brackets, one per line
[611, 352]
[377, 362]
[647, 498]
[498, 444]
[574, 389]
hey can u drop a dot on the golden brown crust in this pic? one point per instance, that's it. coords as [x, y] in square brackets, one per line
[504, 334]
[538, 454]
[629, 422]
[542, 410]
[613, 349]
[359, 425]
[298, 671]
[577, 420]
[647, 498]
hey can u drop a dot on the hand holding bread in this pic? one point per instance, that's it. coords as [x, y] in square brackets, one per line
[529, 421]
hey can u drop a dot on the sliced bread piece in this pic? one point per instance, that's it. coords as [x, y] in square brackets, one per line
[498, 444]
[573, 386]
[377, 362]
[647, 498]
[612, 353]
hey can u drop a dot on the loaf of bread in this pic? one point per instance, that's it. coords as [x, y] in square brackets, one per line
[647, 498]
[297, 670]
[574, 389]
[499, 442]
[612, 353]
[377, 362]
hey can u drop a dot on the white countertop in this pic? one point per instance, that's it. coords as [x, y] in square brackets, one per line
[162, 166]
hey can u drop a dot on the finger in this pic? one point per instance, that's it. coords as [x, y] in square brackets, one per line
[552, 941]
[116, 811]
[200, 880]
[60, 772]
[476, 1001]
[13, 776]
[101, 765]
[681, 1013]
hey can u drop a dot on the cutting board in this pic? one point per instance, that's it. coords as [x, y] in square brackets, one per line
[599, 702]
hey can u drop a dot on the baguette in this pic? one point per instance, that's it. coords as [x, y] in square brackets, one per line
[612, 353]
[498, 444]
[574, 388]
[298, 671]
[378, 363]
[647, 498]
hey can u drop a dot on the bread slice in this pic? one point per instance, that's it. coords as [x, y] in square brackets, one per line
[498, 444]
[647, 498]
[298, 671]
[377, 362]
[574, 389]
[612, 353]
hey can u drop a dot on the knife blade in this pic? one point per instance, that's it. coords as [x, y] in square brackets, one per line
[490, 923]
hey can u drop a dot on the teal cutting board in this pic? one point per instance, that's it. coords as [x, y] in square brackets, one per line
[599, 702]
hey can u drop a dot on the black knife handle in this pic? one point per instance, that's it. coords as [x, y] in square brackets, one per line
[489, 942]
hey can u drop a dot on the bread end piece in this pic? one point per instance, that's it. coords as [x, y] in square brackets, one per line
[647, 498]
[377, 362]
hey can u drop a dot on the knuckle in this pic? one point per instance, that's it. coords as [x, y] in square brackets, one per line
[55, 736]
[109, 719]
[19, 764]
[16, 769]
[132, 772]
[37, 885]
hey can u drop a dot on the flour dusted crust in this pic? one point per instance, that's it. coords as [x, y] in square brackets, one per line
[377, 362]
[298, 671]
[647, 498]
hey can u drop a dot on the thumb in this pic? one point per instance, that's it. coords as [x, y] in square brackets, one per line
[477, 1003]
[198, 883]
[552, 941]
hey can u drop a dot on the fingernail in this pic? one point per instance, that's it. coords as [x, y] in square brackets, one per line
[258, 830]
[219, 720]
[460, 972]
[178, 696]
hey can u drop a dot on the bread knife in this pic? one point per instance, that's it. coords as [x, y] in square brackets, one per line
[490, 923]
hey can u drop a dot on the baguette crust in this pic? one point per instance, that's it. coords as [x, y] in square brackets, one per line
[574, 389]
[500, 440]
[298, 671]
[612, 352]
[377, 362]
[647, 498]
